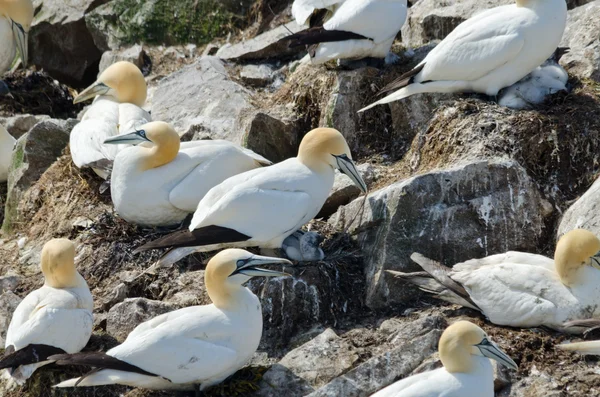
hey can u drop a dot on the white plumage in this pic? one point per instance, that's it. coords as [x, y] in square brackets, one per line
[8, 50]
[303, 10]
[7, 143]
[15, 22]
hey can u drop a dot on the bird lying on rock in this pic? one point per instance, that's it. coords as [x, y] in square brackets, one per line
[195, 345]
[262, 207]
[57, 318]
[465, 351]
[520, 289]
[489, 51]
[120, 91]
[15, 21]
[7, 143]
[161, 182]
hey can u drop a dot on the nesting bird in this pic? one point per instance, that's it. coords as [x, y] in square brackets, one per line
[55, 319]
[357, 29]
[120, 92]
[312, 13]
[261, 207]
[487, 52]
[7, 143]
[195, 345]
[15, 21]
[520, 289]
[161, 184]
[465, 351]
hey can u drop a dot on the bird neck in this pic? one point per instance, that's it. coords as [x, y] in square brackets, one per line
[159, 154]
[458, 360]
[63, 281]
[227, 296]
[315, 164]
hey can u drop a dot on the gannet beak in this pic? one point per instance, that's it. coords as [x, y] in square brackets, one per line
[92, 91]
[490, 350]
[133, 138]
[21, 40]
[348, 167]
[249, 267]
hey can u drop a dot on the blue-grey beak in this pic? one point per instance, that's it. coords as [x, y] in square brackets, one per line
[348, 167]
[249, 267]
[133, 138]
[490, 350]
[92, 92]
[21, 41]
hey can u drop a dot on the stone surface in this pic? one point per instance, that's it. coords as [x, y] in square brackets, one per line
[19, 124]
[584, 213]
[257, 75]
[8, 303]
[125, 316]
[134, 54]
[9, 283]
[453, 214]
[279, 381]
[272, 135]
[582, 36]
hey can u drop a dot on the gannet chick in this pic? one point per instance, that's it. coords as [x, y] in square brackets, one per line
[465, 351]
[57, 318]
[120, 91]
[161, 184]
[314, 13]
[7, 143]
[519, 289]
[487, 52]
[261, 207]
[303, 246]
[357, 29]
[15, 21]
[195, 345]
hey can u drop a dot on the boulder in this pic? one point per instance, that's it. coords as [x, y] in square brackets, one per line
[279, 381]
[19, 124]
[451, 215]
[34, 152]
[582, 36]
[125, 316]
[257, 75]
[272, 135]
[8, 303]
[135, 55]
[9, 283]
[584, 213]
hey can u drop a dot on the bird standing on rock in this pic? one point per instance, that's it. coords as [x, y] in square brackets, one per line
[7, 143]
[15, 21]
[120, 92]
[57, 318]
[195, 345]
[520, 289]
[487, 52]
[261, 207]
[160, 184]
[465, 351]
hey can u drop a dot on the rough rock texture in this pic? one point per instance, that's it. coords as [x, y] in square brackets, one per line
[8, 303]
[125, 316]
[465, 212]
[272, 135]
[19, 124]
[134, 54]
[257, 75]
[584, 213]
[344, 190]
[279, 380]
[582, 35]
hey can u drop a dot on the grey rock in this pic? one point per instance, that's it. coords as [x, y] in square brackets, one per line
[537, 384]
[125, 316]
[584, 213]
[8, 303]
[9, 283]
[279, 381]
[117, 295]
[19, 124]
[344, 190]
[257, 75]
[34, 152]
[274, 135]
[582, 36]
[455, 214]
[135, 55]
[413, 114]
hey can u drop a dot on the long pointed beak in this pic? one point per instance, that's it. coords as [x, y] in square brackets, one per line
[133, 138]
[21, 38]
[490, 350]
[348, 167]
[98, 88]
[250, 269]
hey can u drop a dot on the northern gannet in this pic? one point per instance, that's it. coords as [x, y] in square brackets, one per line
[120, 91]
[311, 13]
[57, 318]
[520, 289]
[262, 207]
[465, 351]
[195, 345]
[487, 52]
[15, 21]
[161, 184]
[7, 143]
[357, 29]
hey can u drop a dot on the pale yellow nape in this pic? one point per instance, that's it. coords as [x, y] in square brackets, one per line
[456, 346]
[20, 11]
[574, 251]
[218, 270]
[166, 144]
[58, 263]
[127, 82]
[318, 147]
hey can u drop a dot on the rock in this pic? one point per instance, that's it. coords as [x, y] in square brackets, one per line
[125, 316]
[413, 114]
[272, 135]
[456, 214]
[344, 190]
[9, 283]
[257, 75]
[279, 381]
[34, 152]
[19, 124]
[582, 36]
[322, 359]
[117, 295]
[584, 213]
[135, 55]
[8, 303]
[537, 384]
[60, 43]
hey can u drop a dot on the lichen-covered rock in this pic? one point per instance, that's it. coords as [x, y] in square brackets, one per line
[125, 316]
[582, 36]
[453, 215]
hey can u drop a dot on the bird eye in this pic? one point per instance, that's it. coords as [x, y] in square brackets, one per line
[142, 133]
[240, 263]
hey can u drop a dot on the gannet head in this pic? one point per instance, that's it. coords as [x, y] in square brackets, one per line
[164, 139]
[58, 263]
[122, 80]
[575, 250]
[461, 341]
[229, 269]
[20, 14]
[327, 147]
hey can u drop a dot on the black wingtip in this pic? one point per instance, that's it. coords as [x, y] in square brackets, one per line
[31, 354]
[208, 235]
